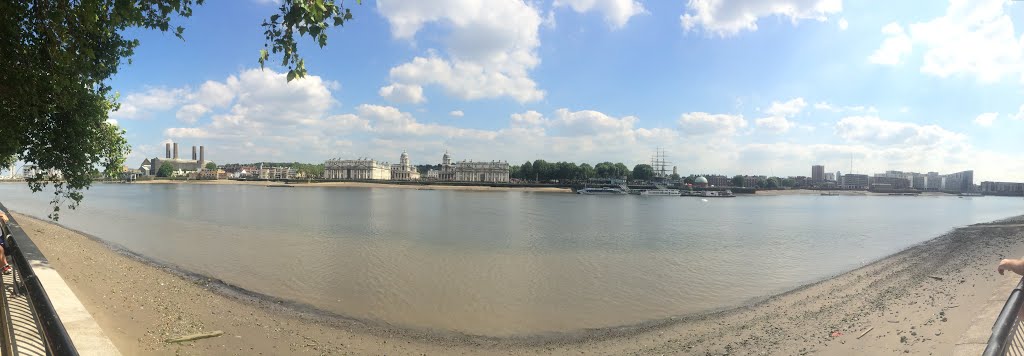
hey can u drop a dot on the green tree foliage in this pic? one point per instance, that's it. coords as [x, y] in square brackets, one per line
[674, 176]
[58, 56]
[526, 171]
[737, 181]
[690, 179]
[165, 170]
[211, 166]
[643, 172]
[307, 17]
[586, 171]
[772, 183]
[605, 169]
[544, 171]
[621, 171]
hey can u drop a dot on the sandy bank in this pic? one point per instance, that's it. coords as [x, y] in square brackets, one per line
[473, 188]
[139, 304]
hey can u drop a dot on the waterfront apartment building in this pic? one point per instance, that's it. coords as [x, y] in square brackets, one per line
[932, 181]
[855, 181]
[361, 168]
[890, 182]
[718, 180]
[960, 182]
[1002, 188]
[817, 173]
[403, 170]
[276, 173]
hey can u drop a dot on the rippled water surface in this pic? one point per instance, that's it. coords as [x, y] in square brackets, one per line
[507, 263]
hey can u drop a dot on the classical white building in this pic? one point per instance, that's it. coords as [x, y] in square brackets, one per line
[403, 170]
[469, 171]
[362, 168]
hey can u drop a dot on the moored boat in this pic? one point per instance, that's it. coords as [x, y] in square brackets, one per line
[601, 191]
[710, 194]
[661, 192]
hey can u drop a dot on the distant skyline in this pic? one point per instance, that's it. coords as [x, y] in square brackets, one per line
[730, 87]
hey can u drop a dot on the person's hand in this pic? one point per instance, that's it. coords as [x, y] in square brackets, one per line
[1013, 265]
[3, 217]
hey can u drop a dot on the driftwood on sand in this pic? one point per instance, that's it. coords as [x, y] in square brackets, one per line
[195, 337]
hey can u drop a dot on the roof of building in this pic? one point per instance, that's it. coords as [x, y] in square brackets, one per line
[701, 180]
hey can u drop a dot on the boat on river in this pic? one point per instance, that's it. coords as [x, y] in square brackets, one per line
[709, 193]
[661, 192]
[602, 191]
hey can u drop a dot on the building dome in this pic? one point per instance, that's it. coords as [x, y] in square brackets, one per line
[701, 180]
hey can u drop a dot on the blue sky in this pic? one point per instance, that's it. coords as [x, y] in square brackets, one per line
[731, 87]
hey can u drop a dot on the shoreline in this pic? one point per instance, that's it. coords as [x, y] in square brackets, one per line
[469, 188]
[371, 336]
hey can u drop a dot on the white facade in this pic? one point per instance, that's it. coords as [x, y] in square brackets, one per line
[469, 171]
[491, 172]
[276, 173]
[363, 168]
[403, 170]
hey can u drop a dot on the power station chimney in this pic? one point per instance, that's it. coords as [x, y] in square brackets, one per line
[193, 153]
[175, 150]
[168, 155]
[202, 155]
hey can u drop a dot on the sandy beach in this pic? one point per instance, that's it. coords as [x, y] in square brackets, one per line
[918, 301]
[474, 188]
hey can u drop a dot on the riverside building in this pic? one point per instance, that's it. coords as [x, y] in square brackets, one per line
[361, 168]
[403, 170]
[150, 166]
[469, 171]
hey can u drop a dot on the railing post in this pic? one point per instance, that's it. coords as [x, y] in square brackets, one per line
[1006, 322]
[56, 338]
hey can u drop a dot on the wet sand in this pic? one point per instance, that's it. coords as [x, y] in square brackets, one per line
[473, 188]
[139, 303]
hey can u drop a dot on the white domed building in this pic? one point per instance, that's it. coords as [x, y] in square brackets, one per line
[700, 182]
[404, 170]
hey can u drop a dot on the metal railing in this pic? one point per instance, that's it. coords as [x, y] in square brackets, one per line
[1006, 323]
[56, 338]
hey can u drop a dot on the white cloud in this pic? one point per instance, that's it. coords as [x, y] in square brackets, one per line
[974, 38]
[780, 114]
[730, 17]
[112, 122]
[186, 132]
[457, 113]
[843, 24]
[986, 119]
[787, 109]
[896, 46]
[591, 123]
[873, 130]
[1020, 113]
[141, 105]
[616, 12]
[702, 123]
[191, 113]
[490, 47]
[403, 93]
[776, 124]
[527, 119]
[849, 108]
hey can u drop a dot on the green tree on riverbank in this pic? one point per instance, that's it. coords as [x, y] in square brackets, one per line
[165, 170]
[58, 56]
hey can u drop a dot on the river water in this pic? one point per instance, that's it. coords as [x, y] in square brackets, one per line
[507, 263]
